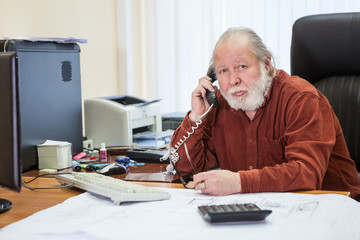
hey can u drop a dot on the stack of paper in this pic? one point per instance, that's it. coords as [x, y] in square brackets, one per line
[54, 154]
[153, 139]
[295, 216]
[57, 40]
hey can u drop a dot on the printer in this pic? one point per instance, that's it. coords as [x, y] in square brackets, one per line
[114, 120]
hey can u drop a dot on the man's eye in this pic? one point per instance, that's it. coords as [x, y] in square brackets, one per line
[242, 66]
[222, 71]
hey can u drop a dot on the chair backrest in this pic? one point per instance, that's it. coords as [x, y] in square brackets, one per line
[325, 50]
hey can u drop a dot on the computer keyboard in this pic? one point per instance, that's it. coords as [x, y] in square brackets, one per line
[118, 190]
[233, 212]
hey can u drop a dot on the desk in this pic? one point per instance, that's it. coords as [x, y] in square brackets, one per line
[150, 172]
[28, 202]
[295, 216]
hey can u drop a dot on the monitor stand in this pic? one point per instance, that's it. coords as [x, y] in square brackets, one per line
[4, 205]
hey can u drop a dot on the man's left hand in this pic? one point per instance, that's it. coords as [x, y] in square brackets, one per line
[218, 182]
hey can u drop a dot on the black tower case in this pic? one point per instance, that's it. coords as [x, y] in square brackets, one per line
[50, 95]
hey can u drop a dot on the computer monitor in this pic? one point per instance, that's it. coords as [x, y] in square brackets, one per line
[10, 160]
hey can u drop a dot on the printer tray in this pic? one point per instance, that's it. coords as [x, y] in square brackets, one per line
[147, 155]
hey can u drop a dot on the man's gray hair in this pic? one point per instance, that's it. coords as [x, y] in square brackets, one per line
[257, 45]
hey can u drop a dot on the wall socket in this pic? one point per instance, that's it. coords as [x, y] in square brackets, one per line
[88, 144]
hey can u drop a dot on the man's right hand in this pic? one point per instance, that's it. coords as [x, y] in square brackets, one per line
[199, 105]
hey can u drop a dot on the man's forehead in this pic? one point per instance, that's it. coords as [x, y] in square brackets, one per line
[225, 49]
[235, 40]
[234, 43]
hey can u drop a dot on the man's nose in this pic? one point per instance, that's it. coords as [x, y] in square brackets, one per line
[235, 78]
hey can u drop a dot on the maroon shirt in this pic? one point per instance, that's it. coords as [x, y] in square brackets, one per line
[294, 142]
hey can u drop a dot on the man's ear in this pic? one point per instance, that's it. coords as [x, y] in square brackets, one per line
[268, 64]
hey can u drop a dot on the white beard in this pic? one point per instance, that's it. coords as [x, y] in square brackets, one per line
[256, 93]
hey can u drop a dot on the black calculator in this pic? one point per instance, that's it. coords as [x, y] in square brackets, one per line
[233, 212]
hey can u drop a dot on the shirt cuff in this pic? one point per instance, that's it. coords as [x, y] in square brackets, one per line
[187, 125]
[250, 181]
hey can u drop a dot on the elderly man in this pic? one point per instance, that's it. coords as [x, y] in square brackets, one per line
[271, 132]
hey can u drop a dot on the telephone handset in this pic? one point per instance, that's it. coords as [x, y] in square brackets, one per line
[172, 151]
[210, 96]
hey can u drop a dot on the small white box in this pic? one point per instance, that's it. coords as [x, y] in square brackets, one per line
[54, 154]
[88, 144]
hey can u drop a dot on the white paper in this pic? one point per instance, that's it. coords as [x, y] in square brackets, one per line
[153, 139]
[54, 154]
[53, 143]
[42, 39]
[294, 216]
[153, 135]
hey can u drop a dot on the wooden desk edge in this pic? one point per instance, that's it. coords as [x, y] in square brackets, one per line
[179, 185]
[345, 193]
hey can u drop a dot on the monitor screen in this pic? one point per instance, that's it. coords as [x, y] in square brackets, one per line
[10, 161]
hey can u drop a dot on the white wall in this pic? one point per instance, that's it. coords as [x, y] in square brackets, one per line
[177, 38]
[94, 20]
[156, 48]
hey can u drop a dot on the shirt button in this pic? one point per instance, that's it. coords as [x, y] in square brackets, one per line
[252, 141]
[251, 167]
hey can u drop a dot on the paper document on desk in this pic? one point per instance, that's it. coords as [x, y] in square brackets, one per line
[294, 216]
[57, 40]
[153, 139]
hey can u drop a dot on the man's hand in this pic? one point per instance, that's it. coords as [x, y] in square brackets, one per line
[218, 182]
[198, 104]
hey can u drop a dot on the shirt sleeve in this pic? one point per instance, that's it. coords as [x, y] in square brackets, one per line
[308, 141]
[197, 137]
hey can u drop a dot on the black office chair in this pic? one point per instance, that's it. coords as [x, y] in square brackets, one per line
[325, 50]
